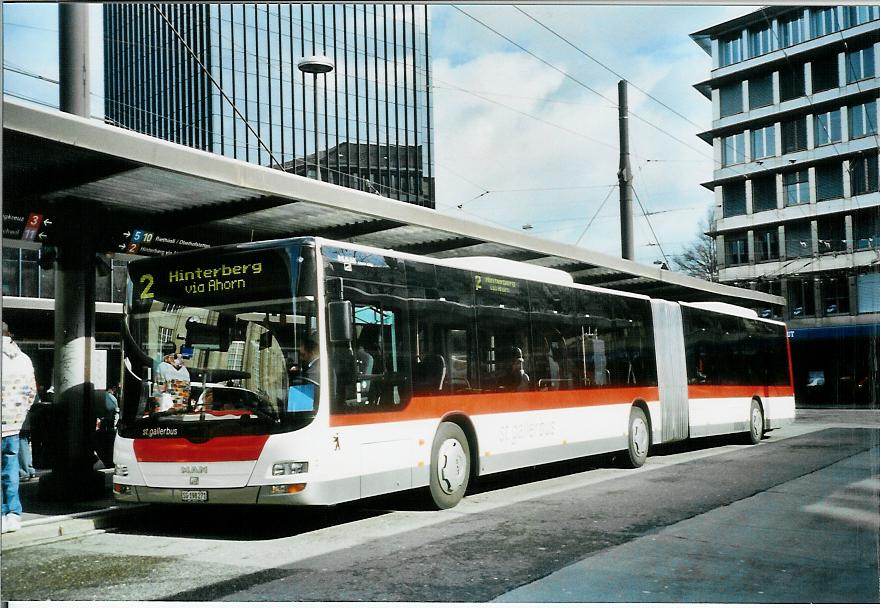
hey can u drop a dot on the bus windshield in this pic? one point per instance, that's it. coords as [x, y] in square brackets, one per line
[221, 344]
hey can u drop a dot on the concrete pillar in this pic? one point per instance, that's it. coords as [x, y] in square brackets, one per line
[72, 477]
[73, 420]
[73, 58]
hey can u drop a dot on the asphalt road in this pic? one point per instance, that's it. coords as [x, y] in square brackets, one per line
[793, 519]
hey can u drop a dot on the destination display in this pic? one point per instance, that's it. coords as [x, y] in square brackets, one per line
[203, 279]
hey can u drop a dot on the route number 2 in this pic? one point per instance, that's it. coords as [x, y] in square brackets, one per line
[147, 281]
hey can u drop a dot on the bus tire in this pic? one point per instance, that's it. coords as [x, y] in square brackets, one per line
[638, 439]
[756, 423]
[450, 466]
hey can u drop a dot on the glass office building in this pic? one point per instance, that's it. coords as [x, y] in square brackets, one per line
[224, 78]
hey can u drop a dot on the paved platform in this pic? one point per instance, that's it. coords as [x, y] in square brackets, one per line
[45, 521]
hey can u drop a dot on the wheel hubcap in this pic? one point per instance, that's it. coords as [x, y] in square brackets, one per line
[451, 466]
[757, 422]
[639, 435]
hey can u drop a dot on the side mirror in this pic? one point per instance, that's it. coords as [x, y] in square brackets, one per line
[334, 289]
[340, 326]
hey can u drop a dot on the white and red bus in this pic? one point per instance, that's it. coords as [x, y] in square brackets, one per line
[308, 371]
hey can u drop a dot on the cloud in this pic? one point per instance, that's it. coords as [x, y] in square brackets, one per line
[505, 122]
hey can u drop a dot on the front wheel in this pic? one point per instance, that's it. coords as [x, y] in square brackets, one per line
[450, 465]
[639, 439]
[756, 423]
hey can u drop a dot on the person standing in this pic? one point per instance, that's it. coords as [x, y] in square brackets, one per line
[25, 455]
[19, 388]
[106, 412]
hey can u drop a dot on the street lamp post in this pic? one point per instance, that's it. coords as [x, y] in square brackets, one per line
[314, 65]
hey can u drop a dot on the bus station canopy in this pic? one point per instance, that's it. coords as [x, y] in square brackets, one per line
[53, 160]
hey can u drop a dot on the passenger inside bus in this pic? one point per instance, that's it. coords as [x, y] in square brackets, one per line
[512, 376]
[309, 367]
[172, 382]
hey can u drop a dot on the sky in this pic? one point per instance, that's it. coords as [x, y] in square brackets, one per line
[525, 128]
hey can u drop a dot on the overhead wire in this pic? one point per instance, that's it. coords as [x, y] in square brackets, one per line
[590, 57]
[590, 223]
[576, 80]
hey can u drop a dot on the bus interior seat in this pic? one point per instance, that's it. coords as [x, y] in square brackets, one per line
[430, 374]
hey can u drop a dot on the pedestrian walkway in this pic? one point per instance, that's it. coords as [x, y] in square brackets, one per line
[813, 539]
[47, 521]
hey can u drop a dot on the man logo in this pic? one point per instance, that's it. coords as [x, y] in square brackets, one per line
[194, 470]
[193, 481]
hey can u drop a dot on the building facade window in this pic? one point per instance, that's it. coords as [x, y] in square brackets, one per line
[761, 91]
[795, 188]
[733, 198]
[857, 15]
[863, 119]
[792, 28]
[826, 127]
[760, 41]
[826, 20]
[794, 135]
[829, 181]
[763, 193]
[733, 149]
[832, 234]
[798, 239]
[731, 99]
[866, 228]
[868, 288]
[801, 298]
[860, 64]
[764, 142]
[766, 244]
[166, 335]
[792, 82]
[374, 115]
[825, 73]
[863, 173]
[835, 294]
[730, 50]
[736, 248]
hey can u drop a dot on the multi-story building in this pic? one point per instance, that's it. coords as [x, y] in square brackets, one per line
[224, 78]
[797, 209]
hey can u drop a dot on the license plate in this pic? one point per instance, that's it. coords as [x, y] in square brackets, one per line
[194, 496]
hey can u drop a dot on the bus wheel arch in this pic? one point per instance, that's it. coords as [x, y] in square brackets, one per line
[471, 433]
[638, 435]
[452, 462]
[757, 421]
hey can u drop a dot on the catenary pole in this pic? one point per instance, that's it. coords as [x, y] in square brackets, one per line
[624, 176]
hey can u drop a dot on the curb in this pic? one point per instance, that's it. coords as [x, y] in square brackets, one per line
[64, 527]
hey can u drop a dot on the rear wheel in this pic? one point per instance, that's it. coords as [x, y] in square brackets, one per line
[756, 423]
[450, 465]
[639, 439]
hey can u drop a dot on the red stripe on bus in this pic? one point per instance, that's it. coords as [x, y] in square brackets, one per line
[715, 391]
[421, 408]
[216, 449]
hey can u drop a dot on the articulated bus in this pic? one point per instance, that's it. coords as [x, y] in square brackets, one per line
[312, 372]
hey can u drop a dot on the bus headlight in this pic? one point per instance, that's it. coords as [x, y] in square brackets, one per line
[290, 468]
[292, 488]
